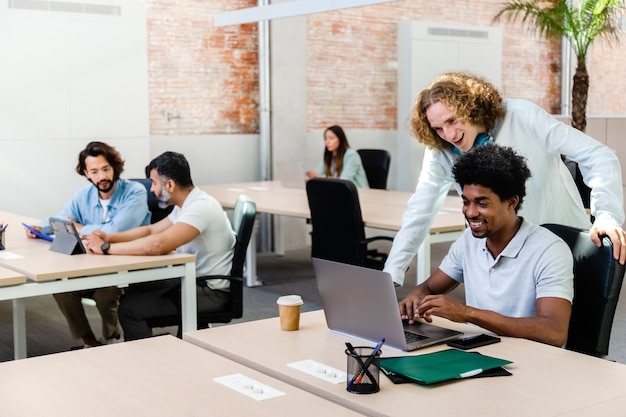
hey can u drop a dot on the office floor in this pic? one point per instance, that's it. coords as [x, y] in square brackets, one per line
[289, 274]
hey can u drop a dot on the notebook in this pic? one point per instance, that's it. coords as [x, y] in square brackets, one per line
[291, 174]
[443, 366]
[361, 302]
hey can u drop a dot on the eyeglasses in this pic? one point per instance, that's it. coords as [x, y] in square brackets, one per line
[106, 171]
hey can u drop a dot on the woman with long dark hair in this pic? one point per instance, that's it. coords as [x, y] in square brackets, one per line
[340, 161]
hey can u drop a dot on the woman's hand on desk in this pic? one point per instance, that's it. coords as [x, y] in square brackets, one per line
[313, 174]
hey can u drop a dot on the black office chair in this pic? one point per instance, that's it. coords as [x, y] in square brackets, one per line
[376, 163]
[338, 231]
[243, 223]
[583, 190]
[158, 213]
[597, 283]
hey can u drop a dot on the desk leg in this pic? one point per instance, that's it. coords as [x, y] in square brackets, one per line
[19, 329]
[424, 253]
[189, 302]
[279, 247]
[251, 277]
[423, 261]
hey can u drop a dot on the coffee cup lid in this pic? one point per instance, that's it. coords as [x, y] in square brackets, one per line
[290, 300]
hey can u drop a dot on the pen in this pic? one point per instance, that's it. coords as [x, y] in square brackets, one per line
[358, 359]
[359, 376]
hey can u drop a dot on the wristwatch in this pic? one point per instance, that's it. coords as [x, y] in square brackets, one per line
[105, 248]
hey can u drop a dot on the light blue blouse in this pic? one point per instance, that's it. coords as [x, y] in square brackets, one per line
[352, 169]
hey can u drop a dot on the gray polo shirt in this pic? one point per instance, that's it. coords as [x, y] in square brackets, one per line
[536, 263]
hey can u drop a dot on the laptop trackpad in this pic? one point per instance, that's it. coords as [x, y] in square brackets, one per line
[425, 334]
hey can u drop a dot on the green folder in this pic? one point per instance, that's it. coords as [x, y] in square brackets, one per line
[440, 366]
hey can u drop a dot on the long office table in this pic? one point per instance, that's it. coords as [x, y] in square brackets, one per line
[160, 376]
[9, 277]
[381, 209]
[49, 272]
[546, 381]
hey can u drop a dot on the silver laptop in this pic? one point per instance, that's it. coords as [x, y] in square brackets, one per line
[291, 174]
[362, 302]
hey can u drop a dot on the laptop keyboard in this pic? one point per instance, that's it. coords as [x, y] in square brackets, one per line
[413, 337]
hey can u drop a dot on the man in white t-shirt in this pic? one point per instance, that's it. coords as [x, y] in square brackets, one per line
[518, 276]
[197, 225]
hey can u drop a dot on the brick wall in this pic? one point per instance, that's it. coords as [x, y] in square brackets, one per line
[202, 79]
[352, 60]
[607, 86]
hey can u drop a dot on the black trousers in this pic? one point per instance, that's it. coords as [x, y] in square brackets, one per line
[144, 301]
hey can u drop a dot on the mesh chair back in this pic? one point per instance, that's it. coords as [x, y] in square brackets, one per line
[243, 223]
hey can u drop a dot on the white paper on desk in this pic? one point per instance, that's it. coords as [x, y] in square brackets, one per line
[238, 190]
[320, 370]
[249, 387]
[9, 255]
[257, 188]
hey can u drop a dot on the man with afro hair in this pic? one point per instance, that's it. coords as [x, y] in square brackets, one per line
[518, 276]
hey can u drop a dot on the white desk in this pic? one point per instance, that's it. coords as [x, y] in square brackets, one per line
[161, 376]
[546, 381]
[51, 272]
[381, 209]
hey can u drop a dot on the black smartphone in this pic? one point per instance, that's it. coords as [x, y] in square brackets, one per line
[472, 342]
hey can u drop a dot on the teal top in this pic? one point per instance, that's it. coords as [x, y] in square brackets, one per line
[352, 169]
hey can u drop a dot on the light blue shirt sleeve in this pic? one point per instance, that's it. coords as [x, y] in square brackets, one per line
[353, 169]
[127, 209]
[320, 168]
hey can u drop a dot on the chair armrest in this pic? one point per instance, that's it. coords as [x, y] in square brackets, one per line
[375, 238]
[230, 278]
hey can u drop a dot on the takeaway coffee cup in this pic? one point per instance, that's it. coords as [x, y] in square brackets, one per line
[289, 311]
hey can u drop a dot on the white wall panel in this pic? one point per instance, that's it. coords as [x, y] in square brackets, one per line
[425, 50]
[71, 72]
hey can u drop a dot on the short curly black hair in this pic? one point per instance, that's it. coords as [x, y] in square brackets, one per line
[496, 167]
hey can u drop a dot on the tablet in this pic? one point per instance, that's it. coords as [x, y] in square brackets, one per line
[66, 238]
[37, 233]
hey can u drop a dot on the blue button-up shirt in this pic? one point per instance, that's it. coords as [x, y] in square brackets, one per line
[128, 208]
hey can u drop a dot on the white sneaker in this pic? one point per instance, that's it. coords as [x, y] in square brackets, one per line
[110, 341]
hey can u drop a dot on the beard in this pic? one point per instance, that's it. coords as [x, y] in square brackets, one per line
[164, 199]
[104, 186]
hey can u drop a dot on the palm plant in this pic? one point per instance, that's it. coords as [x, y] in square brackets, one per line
[581, 22]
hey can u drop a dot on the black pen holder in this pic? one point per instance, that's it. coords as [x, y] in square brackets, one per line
[363, 370]
[2, 245]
